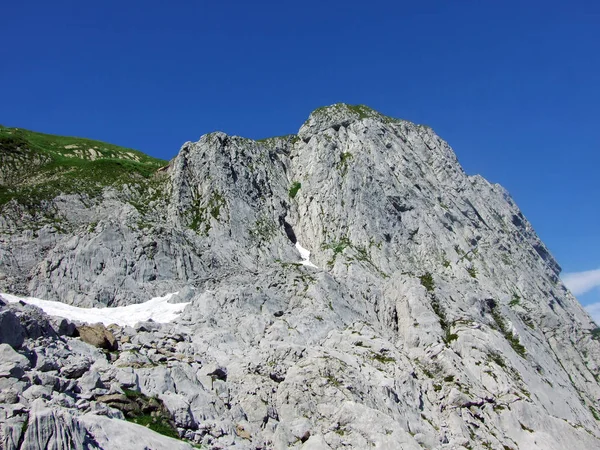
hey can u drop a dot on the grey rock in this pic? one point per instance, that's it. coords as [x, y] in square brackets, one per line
[76, 368]
[90, 381]
[12, 364]
[127, 378]
[98, 336]
[46, 364]
[11, 331]
[37, 391]
[434, 318]
[315, 443]
[11, 432]
[10, 388]
[114, 434]
[63, 326]
[51, 428]
[34, 322]
[102, 409]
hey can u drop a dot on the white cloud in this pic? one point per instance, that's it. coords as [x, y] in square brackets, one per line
[582, 282]
[594, 310]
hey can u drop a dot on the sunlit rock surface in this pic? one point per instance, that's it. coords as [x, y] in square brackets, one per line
[348, 287]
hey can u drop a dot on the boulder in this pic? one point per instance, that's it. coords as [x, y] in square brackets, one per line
[12, 364]
[98, 336]
[114, 434]
[11, 330]
[76, 368]
[64, 327]
[54, 428]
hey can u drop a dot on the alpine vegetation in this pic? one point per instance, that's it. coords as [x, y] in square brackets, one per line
[346, 287]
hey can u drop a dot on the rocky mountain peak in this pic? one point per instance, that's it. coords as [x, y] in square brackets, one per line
[349, 286]
[336, 116]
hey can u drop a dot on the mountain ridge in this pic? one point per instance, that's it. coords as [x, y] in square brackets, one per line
[434, 316]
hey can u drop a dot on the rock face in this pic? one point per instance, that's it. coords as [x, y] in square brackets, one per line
[434, 318]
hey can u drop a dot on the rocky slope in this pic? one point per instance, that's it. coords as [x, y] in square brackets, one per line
[434, 317]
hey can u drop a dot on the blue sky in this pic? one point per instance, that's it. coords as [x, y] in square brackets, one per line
[513, 86]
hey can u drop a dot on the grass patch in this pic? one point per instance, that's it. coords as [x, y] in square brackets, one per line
[524, 428]
[499, 360]
[264, 229]
[508, 334]
[427, 282]
[294, 188]
[344, 162]
[449, 337]
[382, 358]
[515, 300]
[338, 246]
[131, 394]
[202, 210]
[332, 380]
[147, 411]
[157, 424]
[38, 167]
[363, 111]
[215, 204]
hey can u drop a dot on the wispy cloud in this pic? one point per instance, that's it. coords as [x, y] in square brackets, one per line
[581, 282]
[594, 310]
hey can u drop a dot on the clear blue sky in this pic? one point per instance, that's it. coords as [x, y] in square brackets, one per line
[513, 86]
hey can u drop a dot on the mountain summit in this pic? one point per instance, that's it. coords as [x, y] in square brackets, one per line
[349, 287]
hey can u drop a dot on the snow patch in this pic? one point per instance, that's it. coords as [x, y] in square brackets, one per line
[305, 255]
[158, 309]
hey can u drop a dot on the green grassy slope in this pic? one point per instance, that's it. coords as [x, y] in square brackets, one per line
[35, 167]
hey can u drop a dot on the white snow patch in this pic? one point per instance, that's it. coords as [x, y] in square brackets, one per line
[158, 309]
[305, 255]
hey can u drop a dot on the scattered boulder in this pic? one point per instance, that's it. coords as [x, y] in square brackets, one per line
[90, 381]
[75, 369]
[98, 336]
[34, 321]
[148, 326]
[64, 327]
[46, 364]
[11, 330]
[10, 389]
[12, 364]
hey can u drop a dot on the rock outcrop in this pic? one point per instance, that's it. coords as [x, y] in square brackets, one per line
[430, 316]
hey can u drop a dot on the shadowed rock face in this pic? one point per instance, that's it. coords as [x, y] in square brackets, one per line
[434, 318]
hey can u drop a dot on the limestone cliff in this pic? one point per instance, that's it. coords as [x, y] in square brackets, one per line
[434, 318]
